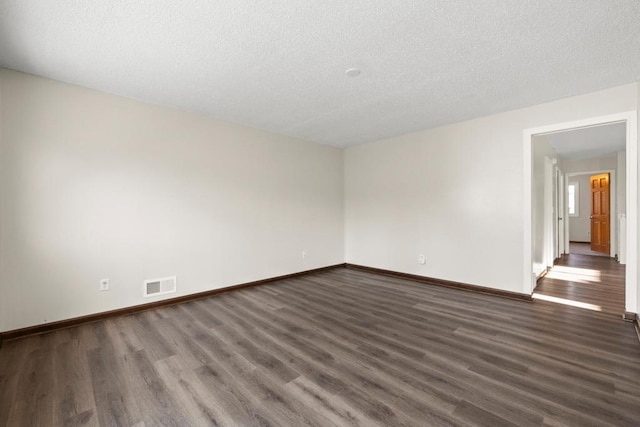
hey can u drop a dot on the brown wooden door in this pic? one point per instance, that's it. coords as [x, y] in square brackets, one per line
[600, 212]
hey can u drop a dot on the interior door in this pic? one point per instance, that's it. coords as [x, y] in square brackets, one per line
[600, 213]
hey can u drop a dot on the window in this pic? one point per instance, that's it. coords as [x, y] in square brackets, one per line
[573, 199]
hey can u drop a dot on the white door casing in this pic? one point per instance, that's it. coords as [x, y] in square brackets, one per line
[631, 273]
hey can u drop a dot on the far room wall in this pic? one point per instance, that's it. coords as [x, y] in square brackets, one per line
[580, 171]
[580, 223]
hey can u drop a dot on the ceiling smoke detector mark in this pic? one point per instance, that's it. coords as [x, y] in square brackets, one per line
[165, 285]
[352, 72]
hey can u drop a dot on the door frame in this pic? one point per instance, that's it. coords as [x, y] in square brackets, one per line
[630, 119]
[562, 213]
[550, 165]
[613, 208]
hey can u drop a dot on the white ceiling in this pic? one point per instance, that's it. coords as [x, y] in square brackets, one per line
[590, 142]
[280, 65]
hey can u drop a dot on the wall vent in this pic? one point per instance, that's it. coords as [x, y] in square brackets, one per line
[165, 285]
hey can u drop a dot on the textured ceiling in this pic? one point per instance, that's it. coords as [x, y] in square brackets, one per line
[280, 65]
[590, 142]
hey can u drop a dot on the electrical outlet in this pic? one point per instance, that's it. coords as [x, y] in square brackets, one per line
[304, 253]
[104, 284]
[422, 259]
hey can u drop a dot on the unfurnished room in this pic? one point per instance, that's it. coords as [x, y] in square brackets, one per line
[286, 213]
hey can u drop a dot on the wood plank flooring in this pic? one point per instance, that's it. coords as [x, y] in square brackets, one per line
[342, 347]
[582, 248]
[585, 279]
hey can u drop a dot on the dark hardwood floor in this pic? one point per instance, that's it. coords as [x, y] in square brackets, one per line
[342, 347]
[595, 282]
[582, 248]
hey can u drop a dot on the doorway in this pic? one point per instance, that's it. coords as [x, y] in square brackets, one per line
[600, 213]
[587, 275]
[579, 213]
[631, 198]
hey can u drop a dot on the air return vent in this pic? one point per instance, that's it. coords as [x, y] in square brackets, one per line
[165, 285]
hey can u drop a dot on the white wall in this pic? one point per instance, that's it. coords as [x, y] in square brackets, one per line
[621, 171]
[541, 186]
[580, 226]
[97, 186]
[588, 165]
[637, 177]
[90, 182]
[454, 193]
[2, 303]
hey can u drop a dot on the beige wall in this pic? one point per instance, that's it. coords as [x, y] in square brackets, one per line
[97, 186]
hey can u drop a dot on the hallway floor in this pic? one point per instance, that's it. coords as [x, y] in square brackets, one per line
[591, 282]
[584, 248]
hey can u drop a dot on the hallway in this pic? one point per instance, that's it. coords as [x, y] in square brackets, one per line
[591, 282]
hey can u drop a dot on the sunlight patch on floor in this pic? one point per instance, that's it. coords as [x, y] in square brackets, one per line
[572, 277]
[576, 271]
[563, 301]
